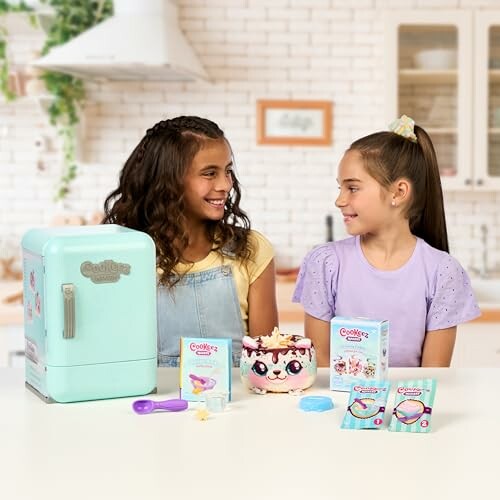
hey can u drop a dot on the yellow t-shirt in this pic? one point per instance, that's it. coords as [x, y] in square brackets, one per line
[243, 275]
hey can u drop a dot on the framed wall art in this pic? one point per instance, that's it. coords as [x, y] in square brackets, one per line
[291, 123]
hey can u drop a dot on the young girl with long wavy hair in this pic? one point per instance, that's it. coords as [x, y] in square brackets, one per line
[215, 274]
[396, 264]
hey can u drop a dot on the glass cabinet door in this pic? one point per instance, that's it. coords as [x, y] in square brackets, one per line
[431, 84]
[487, 99]
[493, 165]
[428, 86]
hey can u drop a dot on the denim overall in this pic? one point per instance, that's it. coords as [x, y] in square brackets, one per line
[201, 304]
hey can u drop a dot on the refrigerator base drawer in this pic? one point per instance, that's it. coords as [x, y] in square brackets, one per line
[68, 384]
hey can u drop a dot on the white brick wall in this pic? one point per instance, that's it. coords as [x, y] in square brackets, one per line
[253, 49]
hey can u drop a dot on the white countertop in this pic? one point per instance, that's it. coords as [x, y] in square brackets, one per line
[260, 447]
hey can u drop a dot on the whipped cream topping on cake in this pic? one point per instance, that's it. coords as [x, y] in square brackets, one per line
[276, 340]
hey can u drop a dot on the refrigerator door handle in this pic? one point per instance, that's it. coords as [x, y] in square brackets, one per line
[68, 290]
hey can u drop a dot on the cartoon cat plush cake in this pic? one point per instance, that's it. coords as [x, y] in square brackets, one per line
[278, 363]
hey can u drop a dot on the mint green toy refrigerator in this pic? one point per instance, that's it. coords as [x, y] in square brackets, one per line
[89, 312]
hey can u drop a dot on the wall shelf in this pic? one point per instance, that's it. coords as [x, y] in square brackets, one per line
[413, 76]
[441, 130]
[494, 75]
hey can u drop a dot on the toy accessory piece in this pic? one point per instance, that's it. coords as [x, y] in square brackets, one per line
[144, 406]
[215, 402]
[202, 414]
[316, 403]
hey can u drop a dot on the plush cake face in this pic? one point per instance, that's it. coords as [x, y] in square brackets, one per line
[278, 363]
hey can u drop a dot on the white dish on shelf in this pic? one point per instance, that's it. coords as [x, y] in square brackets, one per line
[436, 59]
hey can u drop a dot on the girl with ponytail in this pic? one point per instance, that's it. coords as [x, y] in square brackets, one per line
[396, 264]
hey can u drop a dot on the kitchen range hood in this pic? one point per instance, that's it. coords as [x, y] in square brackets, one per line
[142, 41]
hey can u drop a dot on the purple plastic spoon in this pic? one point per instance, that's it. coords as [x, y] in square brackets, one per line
[144, 406]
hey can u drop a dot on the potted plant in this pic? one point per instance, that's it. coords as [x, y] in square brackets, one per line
[69, 19]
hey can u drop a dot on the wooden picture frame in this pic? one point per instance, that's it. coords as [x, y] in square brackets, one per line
[292, 123]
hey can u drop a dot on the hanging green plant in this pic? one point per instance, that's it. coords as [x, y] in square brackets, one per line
[71, 17]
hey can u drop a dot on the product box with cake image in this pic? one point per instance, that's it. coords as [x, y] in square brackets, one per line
[358, 351]
[205, 365]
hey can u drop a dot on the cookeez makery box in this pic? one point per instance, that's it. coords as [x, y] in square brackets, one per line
[359, 350]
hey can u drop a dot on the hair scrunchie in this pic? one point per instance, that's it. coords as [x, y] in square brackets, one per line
[404, 126]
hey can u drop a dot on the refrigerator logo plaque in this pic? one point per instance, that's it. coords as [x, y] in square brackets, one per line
[107, 271]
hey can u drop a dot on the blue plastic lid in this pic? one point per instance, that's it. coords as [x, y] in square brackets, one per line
[316, 403]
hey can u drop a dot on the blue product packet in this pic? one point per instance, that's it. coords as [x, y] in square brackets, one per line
[205, 366]
[413, 406]
[366, 406]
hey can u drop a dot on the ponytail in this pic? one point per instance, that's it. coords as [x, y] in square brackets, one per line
[430, 222]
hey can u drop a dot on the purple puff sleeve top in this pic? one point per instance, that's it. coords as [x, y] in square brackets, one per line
[431, 291]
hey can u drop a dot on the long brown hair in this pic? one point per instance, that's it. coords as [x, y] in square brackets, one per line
[150, 194]
[388, 156]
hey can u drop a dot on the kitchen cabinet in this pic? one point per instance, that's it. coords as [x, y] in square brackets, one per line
[487, 102]
[445, 74]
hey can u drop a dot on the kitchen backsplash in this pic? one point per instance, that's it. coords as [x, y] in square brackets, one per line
[252, 49]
